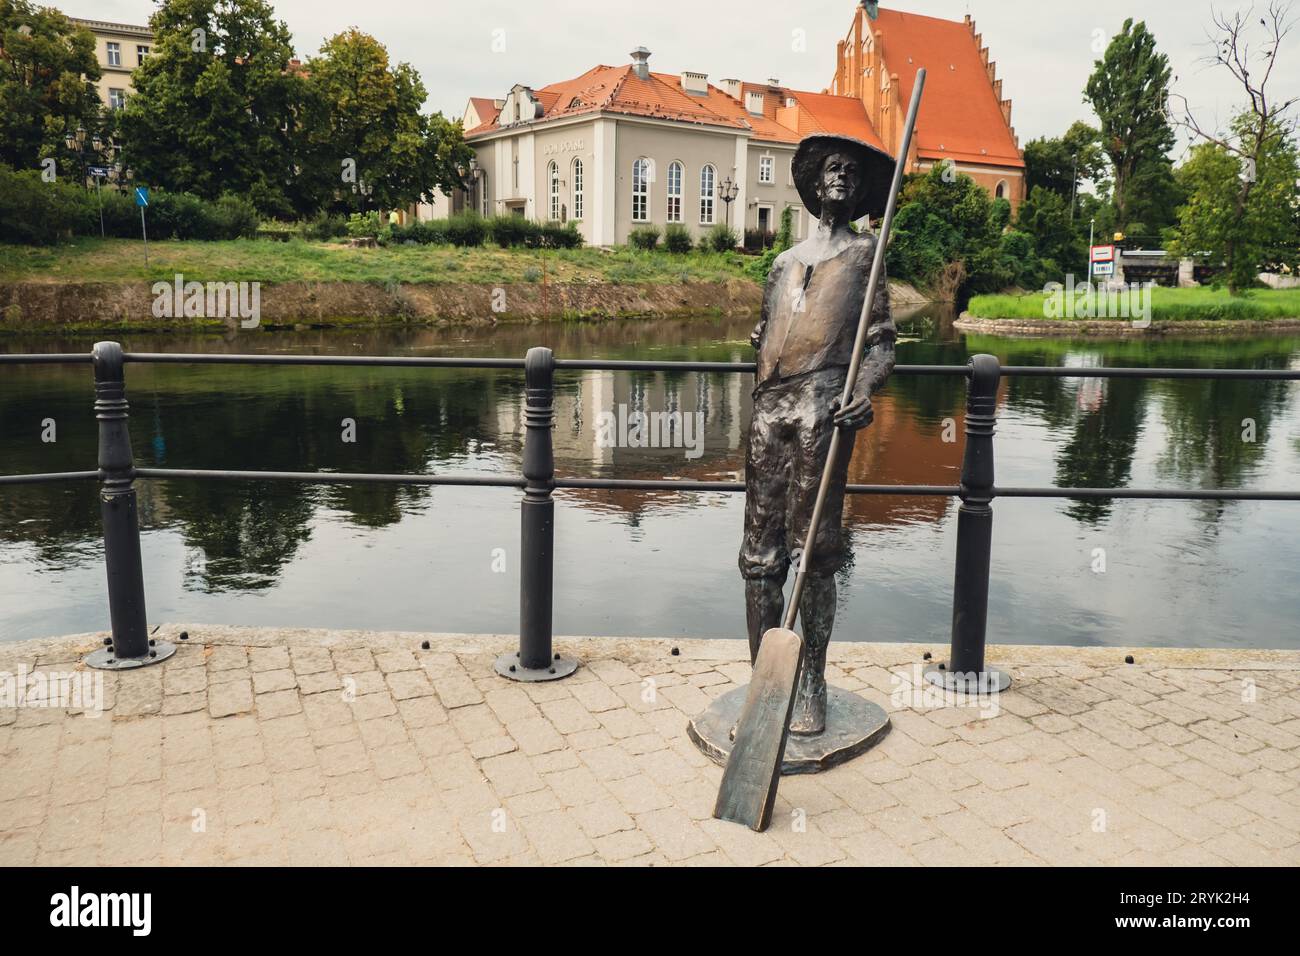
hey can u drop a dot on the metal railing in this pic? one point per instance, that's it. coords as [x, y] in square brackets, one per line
[966, 669]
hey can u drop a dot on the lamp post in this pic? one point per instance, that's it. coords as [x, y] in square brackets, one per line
[727, 191]
[76, 143]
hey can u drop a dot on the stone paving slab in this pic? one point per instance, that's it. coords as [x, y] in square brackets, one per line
[272, 746]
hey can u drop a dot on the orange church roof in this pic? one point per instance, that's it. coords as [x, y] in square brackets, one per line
[960, 115]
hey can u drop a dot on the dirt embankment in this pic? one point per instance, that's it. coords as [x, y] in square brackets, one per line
[130, 306]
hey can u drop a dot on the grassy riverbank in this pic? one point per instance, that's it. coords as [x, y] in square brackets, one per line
[1167, 305]
[268, 261]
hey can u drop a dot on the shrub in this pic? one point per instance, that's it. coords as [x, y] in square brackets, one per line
[644, 238]
[37, 212]
[721, 238]
[561, 235]
[363, 225]
[677, 238]
[467, 229]
[511, 230]
[756, 240]
[324, 226]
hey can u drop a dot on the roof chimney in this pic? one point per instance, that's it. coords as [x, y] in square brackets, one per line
[773, 81]
[732, 87]
[641, 62]
[696, 84]
[754, 102]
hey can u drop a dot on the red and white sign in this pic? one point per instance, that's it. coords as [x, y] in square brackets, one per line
[1103, 253]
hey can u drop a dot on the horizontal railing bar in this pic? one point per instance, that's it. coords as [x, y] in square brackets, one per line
[420, 361]
[670, 484]
[1184, 494]
[331, 477]
[51, 477]
[45, 358]
[425, 361]
[1053, 371]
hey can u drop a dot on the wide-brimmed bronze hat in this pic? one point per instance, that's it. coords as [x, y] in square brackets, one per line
[876, 165]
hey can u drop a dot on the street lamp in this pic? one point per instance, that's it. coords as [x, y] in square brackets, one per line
[75, 141]
[727, 191]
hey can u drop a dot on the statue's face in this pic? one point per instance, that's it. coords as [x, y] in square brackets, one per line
[840, 180]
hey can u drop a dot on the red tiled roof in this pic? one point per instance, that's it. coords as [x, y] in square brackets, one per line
[617, 89]
[486, 109]
[959, 110]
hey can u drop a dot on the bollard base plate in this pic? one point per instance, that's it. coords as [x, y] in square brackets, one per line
[105, 660]
[507, 665]
[988, 681]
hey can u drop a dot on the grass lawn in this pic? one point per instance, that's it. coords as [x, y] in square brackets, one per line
[1170, 305]
[268, 261]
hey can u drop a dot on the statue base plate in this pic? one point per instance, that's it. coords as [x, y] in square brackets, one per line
[853, 726]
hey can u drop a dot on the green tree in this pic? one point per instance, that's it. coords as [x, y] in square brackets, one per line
[215, 104]
[1128, 90]
[367, 143]
[1059, 163]
[948, 233]
[1248, 229]
[1045, 216]
[1244, 229]
[47, 74]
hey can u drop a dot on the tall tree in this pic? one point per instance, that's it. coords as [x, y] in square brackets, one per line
[1128, 90]
[1060, 163]
[214, 103]
[1257, 144]
[47, 74]
[1248, 229]
[368, 145]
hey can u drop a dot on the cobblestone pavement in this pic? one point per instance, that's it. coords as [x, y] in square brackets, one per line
[264, 746]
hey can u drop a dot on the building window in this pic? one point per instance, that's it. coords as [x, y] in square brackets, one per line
[675, 192]
[641, 190]
[1000, 190]
[578, 199]
[141, 52]
[707, 177]
[117, 99]
[553, 184]
[114, 54]
[766, 169]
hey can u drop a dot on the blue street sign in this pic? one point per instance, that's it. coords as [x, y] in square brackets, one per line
[142, 195]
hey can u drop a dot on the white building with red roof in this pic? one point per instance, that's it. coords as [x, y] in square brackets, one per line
[623, 146]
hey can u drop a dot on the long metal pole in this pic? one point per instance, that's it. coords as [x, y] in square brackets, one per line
[855, 363]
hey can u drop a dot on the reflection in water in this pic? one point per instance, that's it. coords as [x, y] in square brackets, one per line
[636, 562]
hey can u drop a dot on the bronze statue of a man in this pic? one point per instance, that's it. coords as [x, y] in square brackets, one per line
[811, 307]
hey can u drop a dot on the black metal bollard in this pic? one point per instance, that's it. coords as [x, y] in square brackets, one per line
[536, 659]
[130, 646]
[965, 669]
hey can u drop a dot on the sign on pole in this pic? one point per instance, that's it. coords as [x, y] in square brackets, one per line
[142, 200]
[1103, 268]
[1103, 254]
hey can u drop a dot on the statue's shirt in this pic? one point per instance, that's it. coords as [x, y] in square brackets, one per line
[810, 313]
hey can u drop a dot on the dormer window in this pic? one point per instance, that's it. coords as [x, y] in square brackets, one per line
[575, 103]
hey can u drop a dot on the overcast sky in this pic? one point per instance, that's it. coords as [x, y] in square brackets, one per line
[1043, 48]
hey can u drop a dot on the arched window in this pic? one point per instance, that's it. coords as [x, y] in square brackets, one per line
[577, 189]
[1000, 190]
[553, 182]
[675, 171]
[641, 190]
[707, 177]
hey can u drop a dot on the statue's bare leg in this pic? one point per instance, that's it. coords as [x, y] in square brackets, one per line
[817, 611]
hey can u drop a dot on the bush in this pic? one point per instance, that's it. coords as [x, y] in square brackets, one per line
[561, 235]
[677, 238]
[644, 238]
[721, 238]
[756, 240]
[36, 212]
[363, 225]
[324, 227]
[511, 230]
[467, 229]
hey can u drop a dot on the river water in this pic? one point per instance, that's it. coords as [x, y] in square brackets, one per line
[1167, 573]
